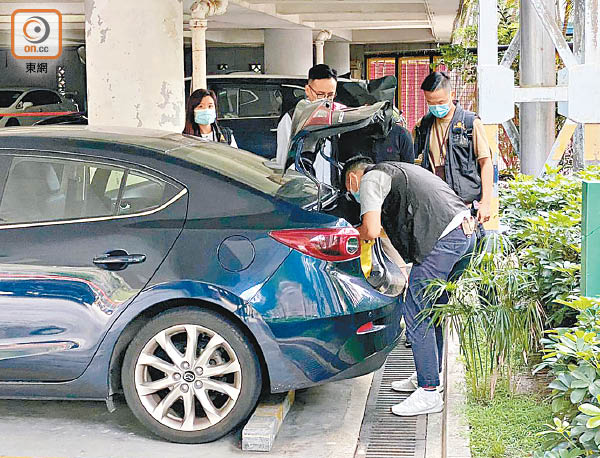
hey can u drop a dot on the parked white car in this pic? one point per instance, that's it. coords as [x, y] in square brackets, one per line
[25, 106]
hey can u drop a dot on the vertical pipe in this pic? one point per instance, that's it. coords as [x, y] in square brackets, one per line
[538, 68]
[487, 54]
[578, 17]
[198, 28]
[319, 46]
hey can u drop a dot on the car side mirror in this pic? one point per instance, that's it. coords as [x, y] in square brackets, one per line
[24, 105]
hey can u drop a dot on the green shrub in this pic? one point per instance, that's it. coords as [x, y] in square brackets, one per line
[543, 217]
[573, 357]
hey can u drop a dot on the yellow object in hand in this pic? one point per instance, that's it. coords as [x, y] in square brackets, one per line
[366, 257]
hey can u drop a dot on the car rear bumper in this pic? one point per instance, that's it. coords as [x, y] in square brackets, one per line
[308, 315]
[330, 349]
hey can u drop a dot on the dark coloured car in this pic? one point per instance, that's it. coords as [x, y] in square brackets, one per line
[185, 274]
[73, 119]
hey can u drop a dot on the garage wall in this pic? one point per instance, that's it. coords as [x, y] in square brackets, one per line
[13, 72]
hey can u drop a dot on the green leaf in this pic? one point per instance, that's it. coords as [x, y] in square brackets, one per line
[593, 422]
[595, 389]
[577, 396]
[586, 437]
[597, 438]
[589, 409]
[580, 384]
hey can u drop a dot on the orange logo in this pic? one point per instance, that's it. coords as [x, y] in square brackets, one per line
[36, 34]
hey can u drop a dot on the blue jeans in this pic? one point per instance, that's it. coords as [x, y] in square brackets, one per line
[427, 340]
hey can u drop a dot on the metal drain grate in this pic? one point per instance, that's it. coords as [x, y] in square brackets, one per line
[384, 435]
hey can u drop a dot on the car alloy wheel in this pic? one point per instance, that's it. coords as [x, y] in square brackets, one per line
[191, 376]
[196, 386]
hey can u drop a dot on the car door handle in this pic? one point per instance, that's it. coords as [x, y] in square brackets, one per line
[274, 130]
[118, 260]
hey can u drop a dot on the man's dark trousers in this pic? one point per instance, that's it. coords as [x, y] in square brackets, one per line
[427, 339]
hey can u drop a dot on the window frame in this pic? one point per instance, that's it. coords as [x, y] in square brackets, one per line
[7, 155]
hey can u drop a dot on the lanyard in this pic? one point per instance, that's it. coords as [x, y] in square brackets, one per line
[442, 144]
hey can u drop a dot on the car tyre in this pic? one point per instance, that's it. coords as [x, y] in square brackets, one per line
[191, 376]
[12, 122]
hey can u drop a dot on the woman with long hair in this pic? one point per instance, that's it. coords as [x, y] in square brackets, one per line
[201, 118]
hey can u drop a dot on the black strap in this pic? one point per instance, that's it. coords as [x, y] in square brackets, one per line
[222, 134]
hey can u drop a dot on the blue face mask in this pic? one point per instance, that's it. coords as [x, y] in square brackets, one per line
[356, 194]
[439, 111]
[205, 117]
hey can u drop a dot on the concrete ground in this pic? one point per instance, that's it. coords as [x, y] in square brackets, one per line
[324, 422]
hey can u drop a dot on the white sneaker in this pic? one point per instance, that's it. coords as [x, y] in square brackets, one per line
[410, 384]
[407, 385]
[419, 403]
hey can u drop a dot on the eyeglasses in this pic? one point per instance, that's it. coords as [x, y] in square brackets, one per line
[323, 95]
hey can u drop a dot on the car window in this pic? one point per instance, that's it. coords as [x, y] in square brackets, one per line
[250, 101]
[260, 101]
[142, 192]
[227, 102]
[7, 98]
[41, 98]
[41, 189]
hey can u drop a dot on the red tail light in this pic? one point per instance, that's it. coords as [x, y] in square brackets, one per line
[329, 244]
[322, 116]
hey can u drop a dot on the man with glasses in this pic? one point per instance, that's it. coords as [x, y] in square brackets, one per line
[322, 84]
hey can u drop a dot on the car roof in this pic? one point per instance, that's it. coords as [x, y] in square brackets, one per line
[214, 156]
[23, 88]
[159, 140]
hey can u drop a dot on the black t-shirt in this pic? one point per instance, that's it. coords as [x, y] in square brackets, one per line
[396, 147]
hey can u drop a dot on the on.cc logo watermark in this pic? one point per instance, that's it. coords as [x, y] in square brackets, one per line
[36, 34]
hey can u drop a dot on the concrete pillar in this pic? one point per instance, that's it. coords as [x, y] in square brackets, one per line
[337, 55]
[288, 52]
[538, 68]
[200, 10]
[135, 69]
[322, 37]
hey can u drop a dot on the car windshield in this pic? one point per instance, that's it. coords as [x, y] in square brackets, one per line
[249, 169]
[7, 98]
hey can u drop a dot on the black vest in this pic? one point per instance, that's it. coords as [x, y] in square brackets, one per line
[463, 173]
[418, 209]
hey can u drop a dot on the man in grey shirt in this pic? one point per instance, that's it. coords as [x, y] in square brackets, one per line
[430, 226]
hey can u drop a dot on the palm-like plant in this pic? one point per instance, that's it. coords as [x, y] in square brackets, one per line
[498, 325]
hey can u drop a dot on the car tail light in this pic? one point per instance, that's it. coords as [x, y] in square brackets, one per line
[322, 116]
[329, 244]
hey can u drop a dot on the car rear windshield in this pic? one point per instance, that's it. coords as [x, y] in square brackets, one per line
[7, 98]
[249, 169]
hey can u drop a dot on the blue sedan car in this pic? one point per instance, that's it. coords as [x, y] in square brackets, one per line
[185, 275]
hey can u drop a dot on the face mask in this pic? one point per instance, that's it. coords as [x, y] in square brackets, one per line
[439, 111]
[205, 117]
[356, 194]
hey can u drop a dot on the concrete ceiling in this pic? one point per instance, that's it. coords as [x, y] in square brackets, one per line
[355, 21]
